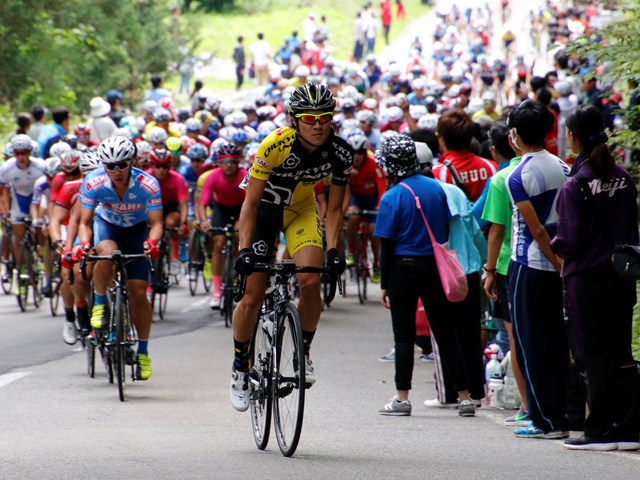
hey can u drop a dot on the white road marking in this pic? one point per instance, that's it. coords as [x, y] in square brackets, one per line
[199, 303]
[7, 378]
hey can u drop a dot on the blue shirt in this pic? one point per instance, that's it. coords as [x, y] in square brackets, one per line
[400, 220]
[141, 197]
[537, 179]
[465, 236]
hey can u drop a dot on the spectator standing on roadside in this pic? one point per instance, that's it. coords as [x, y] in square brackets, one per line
[406, 254]
[23, 121]
[261, 55]
[37, 112]
[100, 124]
[586, 235]
[371, 30]
[114, 97]
[53, 132]
[400, 13]
[360, 37]
[455, 132]
[156, 93]
[535, 287]
[385, 15]
[309, 27]
[239, 59]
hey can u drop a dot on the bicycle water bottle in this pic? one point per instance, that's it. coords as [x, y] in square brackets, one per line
[493, 368]
[184, 255]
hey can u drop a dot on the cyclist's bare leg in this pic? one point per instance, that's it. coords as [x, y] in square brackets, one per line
[246, 313]
[375, 244]
[81, 287]
[18, 235]
[310, 304]
[103, 270]
[352, 229]
[140, 307]
[217, 262]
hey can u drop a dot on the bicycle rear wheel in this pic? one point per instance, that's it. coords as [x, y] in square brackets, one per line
[289, 389]
[260, 368]
[54, 299]
[91, 357]
[360, 284]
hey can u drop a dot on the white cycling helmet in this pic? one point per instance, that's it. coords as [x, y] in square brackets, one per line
[89, 161]
[21, 142]
[116, 149]
[157, 135]
[59, 149]
[395, 114]
[51, 166]
[143, 149]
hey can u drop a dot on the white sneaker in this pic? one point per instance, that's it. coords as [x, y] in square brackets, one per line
[239, 390]
[309, 372]
[214, 303]
[435, 403]
[69, 333]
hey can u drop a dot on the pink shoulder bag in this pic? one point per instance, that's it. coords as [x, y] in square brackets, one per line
[452, 276]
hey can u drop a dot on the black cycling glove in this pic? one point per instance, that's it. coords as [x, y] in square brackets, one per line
[335, 262]
[245, 262]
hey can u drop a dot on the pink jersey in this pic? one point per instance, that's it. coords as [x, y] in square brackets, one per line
[225, 192]
[173, 189]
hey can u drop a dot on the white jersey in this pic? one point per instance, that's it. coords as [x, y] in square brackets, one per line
[21, 182]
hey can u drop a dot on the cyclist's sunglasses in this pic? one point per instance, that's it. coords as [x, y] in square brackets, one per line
[117, 166]
[311, 118]
[228, 161]
[21, 152]
[161, 166]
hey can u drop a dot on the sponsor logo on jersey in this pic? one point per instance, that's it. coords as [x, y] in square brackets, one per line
[96, 182]
[148, 184]
[124, 207]
[261, 162]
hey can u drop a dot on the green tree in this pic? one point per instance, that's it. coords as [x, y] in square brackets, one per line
[66, 52]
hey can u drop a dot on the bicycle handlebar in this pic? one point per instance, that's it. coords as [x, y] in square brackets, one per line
[361, 212]
[289, 269]
[116, 256]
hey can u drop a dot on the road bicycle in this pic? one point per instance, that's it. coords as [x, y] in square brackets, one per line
[161, 279]
[361, 270]
[229, 285]
[116, 343]
[198, 254]
[277, 360]
[7, 259]
[30, 276]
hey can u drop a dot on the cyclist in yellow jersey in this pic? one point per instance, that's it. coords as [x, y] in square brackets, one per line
[280, 195]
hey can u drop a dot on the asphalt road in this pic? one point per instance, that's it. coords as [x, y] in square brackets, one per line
[57, 423]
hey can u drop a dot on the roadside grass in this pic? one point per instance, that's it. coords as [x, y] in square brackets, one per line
[277, 19]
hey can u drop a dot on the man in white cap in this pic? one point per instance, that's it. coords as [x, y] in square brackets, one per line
[101, 125]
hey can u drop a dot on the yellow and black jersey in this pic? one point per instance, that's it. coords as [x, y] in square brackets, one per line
[291, 171]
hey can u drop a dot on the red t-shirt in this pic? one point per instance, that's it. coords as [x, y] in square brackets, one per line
[474, 171]
[551, 140]
[58, 180]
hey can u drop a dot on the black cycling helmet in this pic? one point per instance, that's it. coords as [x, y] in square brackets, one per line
[397, 156]
[311, 96]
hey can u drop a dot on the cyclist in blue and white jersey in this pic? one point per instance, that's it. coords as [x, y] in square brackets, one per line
[17, 178]
[123, 198]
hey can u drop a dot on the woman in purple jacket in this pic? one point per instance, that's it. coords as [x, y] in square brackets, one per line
[597, 211]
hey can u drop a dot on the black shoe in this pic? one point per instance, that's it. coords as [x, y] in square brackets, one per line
[47, 291]
[599, 444]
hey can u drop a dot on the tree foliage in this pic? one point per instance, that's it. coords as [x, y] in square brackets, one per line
[67, 51]
[617, 60]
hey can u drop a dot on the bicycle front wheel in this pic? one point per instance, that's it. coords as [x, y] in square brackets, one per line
[288, 374]
[118, 347]
[260, 368]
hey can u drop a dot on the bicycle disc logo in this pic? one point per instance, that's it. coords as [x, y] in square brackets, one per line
[260, 248]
